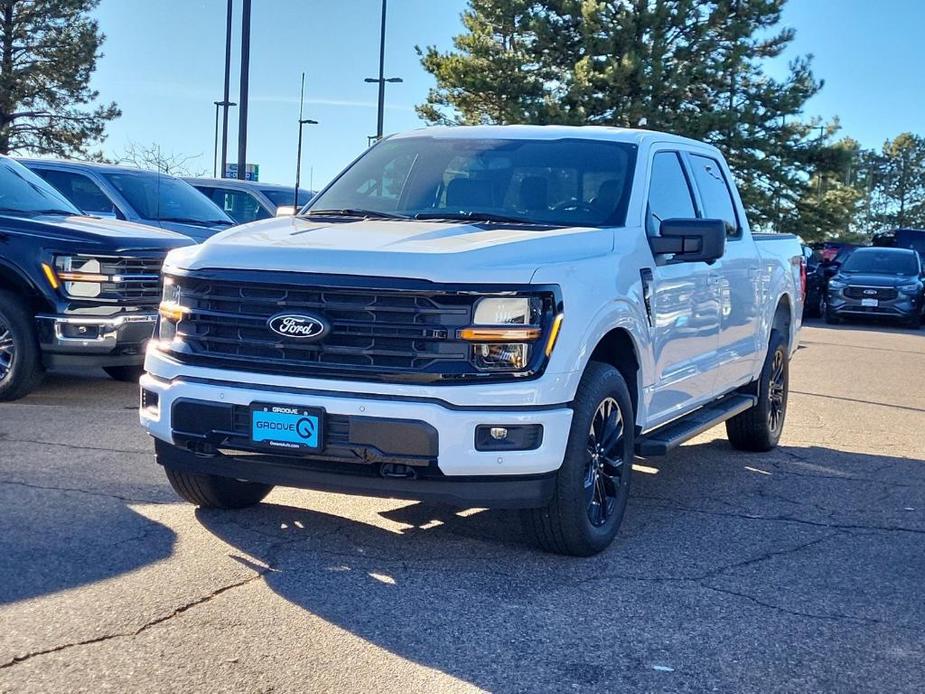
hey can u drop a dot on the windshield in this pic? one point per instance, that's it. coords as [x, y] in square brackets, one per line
[569, 182]
[22, 192]
[167, 199]
[281, 198]
[879, 262]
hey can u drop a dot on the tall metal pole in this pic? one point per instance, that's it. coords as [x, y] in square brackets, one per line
[381, 114]
[245, 75]
[228, 19]
[215, 149]
[298, 156]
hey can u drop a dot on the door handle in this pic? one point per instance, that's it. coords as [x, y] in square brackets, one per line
[752, 272]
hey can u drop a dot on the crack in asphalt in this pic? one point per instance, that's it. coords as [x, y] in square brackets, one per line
[672, 505]
[81, 448]
[798, 613]
[856, 400]
[16, 660]
[804, 459]
[77, 490]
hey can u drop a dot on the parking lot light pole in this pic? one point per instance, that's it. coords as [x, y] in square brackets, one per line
[220, 105]
[298, 169]
[245, 76]
[225, 103]
[298, 157]
[381, 80]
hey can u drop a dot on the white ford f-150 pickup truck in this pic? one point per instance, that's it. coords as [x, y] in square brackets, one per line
[483, 316]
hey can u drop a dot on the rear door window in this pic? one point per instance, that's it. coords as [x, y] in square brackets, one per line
[81, 191]
[242, 207]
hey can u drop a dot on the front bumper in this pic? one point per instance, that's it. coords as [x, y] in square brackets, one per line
[902, 307]
[431, 443]
[85, 340]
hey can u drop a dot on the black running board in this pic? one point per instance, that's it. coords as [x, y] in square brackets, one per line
[670, 436]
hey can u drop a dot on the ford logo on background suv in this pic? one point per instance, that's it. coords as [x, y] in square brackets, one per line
[299, 325]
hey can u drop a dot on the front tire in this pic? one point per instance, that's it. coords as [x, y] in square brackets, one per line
[830, 317]
[593, 483]
[125, 374]
[759, 428]
[20, 359]
[212, 491]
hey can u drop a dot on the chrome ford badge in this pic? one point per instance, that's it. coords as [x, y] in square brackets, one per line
[298, 325]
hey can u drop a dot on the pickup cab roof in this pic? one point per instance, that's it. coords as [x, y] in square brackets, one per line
[637, 136]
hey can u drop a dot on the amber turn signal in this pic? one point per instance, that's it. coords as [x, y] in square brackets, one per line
[500, 334]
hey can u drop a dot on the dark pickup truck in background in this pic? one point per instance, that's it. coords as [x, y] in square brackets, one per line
[74, 290]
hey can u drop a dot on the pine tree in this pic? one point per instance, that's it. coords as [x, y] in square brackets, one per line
[899, 183]
[695, 68]
[48, 51]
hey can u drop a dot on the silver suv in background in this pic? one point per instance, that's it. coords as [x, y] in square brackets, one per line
[248, 201]
[156, 199]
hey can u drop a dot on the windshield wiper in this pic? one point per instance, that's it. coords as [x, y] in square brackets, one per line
[69, 213]
[473, 216]
[187, 220]
[354, 212]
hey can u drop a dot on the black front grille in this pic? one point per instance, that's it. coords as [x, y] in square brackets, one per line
[135, 280]
[879, 293]
[375, 332]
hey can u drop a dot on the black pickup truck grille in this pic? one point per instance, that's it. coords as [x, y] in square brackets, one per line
[879, 293]
[135, 280]
[372, 330]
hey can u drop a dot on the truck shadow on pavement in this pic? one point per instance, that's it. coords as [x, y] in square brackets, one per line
[720, 557]
[73, 544]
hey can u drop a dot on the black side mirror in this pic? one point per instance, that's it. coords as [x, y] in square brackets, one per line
[691, 240]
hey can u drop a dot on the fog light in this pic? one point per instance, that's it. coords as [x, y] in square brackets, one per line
[150, 400]
[517, 437]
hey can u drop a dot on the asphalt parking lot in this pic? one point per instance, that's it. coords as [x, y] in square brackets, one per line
[798, 570]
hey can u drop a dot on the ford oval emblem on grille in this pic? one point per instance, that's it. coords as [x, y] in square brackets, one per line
[300, 326]
[870, 292]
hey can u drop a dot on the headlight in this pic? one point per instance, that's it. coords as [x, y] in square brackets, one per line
[170, 311]
[837, 284]
[80, 277]
[506, 311]
[912, 288]
[505, 330]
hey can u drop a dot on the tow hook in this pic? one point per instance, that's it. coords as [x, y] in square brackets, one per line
[398, 470]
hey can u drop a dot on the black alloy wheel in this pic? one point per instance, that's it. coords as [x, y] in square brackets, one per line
[605, 465]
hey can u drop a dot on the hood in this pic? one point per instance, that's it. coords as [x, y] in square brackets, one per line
[872, 280]
[194, 231]
[108, 234]
[436, 251]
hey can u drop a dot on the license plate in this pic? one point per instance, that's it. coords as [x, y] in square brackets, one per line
[869, 302]
[287, 427]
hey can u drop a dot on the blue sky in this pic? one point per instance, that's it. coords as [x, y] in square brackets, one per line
[163, 65]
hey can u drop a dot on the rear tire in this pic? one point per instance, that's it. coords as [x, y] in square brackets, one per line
[592, 486]
[20, 358]
[759, 428]
[212, 491]
[126, 374]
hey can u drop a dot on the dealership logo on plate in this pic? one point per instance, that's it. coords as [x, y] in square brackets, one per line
[301, 326]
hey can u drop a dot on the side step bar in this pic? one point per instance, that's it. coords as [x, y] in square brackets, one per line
[670, 436]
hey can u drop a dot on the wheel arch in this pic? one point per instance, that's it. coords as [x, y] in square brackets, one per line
[783, 319]
[618, 349]
[14, 281]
